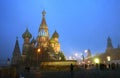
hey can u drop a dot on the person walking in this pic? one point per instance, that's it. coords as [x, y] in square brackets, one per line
[71, 70]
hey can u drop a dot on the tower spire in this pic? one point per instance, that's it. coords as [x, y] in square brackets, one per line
[43, 12]
[43, 24]
[16, 53]
[109, 43]
[17, 45]
[17, 38]
[43, 32]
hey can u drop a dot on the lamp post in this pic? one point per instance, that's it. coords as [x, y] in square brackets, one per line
[108, 59]
[97, 61]
[38, 51]
[83, 57]
[83, 60]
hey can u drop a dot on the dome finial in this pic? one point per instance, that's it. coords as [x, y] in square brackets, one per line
[43, 12]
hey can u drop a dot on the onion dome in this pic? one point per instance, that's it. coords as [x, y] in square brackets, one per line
[27, 34]
[55, 35]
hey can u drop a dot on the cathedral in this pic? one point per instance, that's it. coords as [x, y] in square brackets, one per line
[111, 51]
[43, 48]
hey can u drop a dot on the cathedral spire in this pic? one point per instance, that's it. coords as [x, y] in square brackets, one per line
[43, 18]
[43, 12]
[109, 43]
[43, 24]
[16, 53]
[43, 29]
[17, 38]
[17, 46]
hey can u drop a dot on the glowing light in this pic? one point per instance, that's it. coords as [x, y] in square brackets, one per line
[38, 50]
[70, 58]
[88, 61]
[108, 58]
[76, 54]
[86, 51]
[96, 60]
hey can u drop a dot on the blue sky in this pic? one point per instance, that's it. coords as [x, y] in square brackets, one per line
[81, 24]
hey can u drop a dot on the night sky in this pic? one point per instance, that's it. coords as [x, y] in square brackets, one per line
[81, 24]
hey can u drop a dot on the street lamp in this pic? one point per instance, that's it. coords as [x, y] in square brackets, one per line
[97, 61]
[86, 51]
[108, 59]
[76, 54]
[83, 60]
[38, 51]
[83, 56]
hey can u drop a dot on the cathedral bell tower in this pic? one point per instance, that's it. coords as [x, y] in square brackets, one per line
[43, 34]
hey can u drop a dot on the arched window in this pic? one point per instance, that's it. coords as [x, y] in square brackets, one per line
[42, 33]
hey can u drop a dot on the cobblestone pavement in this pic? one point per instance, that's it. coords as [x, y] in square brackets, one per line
[75, 74]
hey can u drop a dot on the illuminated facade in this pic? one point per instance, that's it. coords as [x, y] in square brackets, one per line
[111, 52]
[49, 47]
